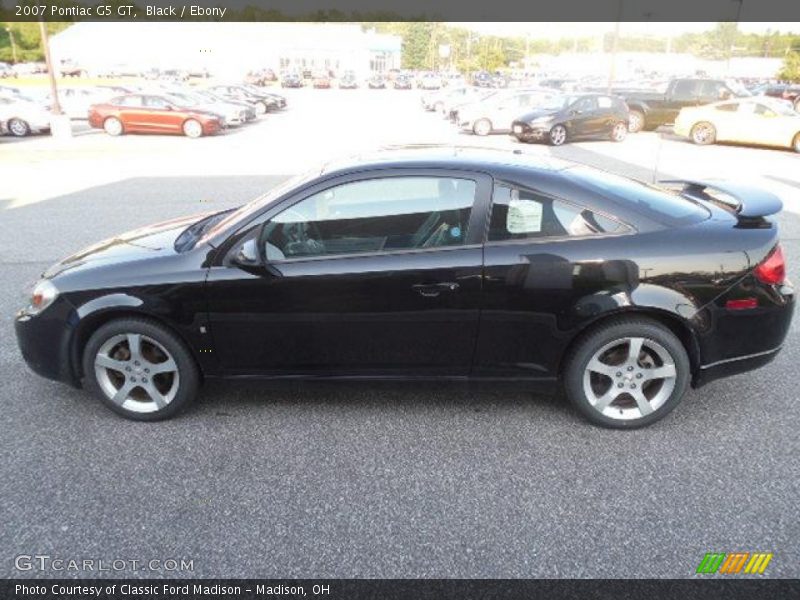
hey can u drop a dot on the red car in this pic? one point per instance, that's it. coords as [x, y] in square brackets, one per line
[322, 81]
[146, 113]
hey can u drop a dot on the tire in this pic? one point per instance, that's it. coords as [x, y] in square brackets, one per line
[635, 121]
[703, 133]
[599, 371]
[797, 104]
[192, 128]
[261, 108]
[558, 135]
[18, 128]
[113, 126]
[482, 127]
[619, 132]
[143, 394]
[796, 142]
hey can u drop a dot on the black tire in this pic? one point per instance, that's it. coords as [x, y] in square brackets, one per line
[18, 127]
[482, 127]
[636, 121]
[703, 133]
[575, 368]
[187, 370]
[796, 142]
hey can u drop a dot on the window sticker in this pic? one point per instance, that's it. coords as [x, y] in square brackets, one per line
[524, 216]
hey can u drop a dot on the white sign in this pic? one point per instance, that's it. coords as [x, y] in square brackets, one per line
[524, 216]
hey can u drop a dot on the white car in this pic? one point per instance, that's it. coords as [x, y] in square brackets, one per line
[756, 120]
[496, 113]
[75, 102]
[20, 116]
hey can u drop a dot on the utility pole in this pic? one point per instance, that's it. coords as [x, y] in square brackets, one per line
[13, 44]
[50, 69]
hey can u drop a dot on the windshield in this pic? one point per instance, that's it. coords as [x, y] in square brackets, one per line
[242, 214]
[782, 108]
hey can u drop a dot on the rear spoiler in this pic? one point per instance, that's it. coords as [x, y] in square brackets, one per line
[750, 203]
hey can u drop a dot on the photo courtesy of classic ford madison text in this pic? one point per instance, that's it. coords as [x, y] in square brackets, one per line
[378, 300]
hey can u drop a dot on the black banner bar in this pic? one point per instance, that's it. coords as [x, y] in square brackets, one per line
[402, 10]
[401, 589]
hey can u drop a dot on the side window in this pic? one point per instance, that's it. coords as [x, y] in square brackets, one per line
[686, 89]
[374, 215]
[130, 101]
[521, 214]
[155, 102]
[604, 102]
[586, 104]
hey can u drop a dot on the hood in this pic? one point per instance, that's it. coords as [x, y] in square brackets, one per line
[539, 112]
[143, 243]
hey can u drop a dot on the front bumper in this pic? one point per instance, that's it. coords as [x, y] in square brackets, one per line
[526, 132]
[45, 341]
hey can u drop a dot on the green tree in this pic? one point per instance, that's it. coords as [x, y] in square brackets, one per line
[791, 67]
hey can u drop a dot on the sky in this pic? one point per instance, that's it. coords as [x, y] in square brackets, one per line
[566, 30]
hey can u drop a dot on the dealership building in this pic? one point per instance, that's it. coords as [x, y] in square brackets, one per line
[227, 49]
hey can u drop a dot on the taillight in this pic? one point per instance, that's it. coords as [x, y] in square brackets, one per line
[772, 270]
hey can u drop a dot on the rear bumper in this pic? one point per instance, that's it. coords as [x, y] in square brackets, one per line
[733, 366]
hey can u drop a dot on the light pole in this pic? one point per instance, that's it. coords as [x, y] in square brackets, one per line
[13, 44]
[614, 46]
[733, 40]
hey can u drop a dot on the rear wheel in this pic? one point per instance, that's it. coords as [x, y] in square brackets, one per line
[482, 127]
[113, 126]
[619, 132]
[558, 135]
[192, 128]
[628, 373]
[18, 127]
[635, 121]
[703, 133]
[140, 370]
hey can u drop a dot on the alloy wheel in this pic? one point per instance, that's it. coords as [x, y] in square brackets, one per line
[703, 133]
[558, 135]
[482, 127]
[113, 126]
[619, 132]
[136, 372]
[635, 121]
[192, 128]
[629, 378]
[18, 127]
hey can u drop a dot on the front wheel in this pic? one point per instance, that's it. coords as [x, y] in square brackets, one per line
[140, 370]
[619, 132]
[558, 135]
[192, 128]
[796, 142]
[18, 127]
[703, 134]
[628, 373]
[113, 126]
[482, 127]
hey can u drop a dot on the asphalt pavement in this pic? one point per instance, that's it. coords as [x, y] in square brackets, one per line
[376, 480]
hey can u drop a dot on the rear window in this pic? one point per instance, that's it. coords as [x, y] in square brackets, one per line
[663, 206]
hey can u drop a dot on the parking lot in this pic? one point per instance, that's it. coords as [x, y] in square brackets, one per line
[372, 480]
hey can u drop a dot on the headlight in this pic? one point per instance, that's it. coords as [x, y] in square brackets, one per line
[42, 296]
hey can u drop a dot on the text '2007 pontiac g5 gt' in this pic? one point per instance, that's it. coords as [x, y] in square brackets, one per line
[429, 262]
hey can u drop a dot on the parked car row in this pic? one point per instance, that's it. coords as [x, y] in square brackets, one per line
[163, 108]
[533, 114]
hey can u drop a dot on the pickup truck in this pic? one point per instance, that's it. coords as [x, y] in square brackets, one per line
[649, 110]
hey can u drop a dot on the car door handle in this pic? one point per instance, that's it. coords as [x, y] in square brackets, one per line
[431, 290]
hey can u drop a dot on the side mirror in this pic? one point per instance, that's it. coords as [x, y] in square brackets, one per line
[247, 254]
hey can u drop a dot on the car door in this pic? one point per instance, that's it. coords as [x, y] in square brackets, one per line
[162, 115]
[133, 114]
[372, 274]
[582, 114]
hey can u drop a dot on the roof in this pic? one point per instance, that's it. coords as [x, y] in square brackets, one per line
[446, 156]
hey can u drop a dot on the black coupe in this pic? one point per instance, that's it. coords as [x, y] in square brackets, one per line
[429, 263]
